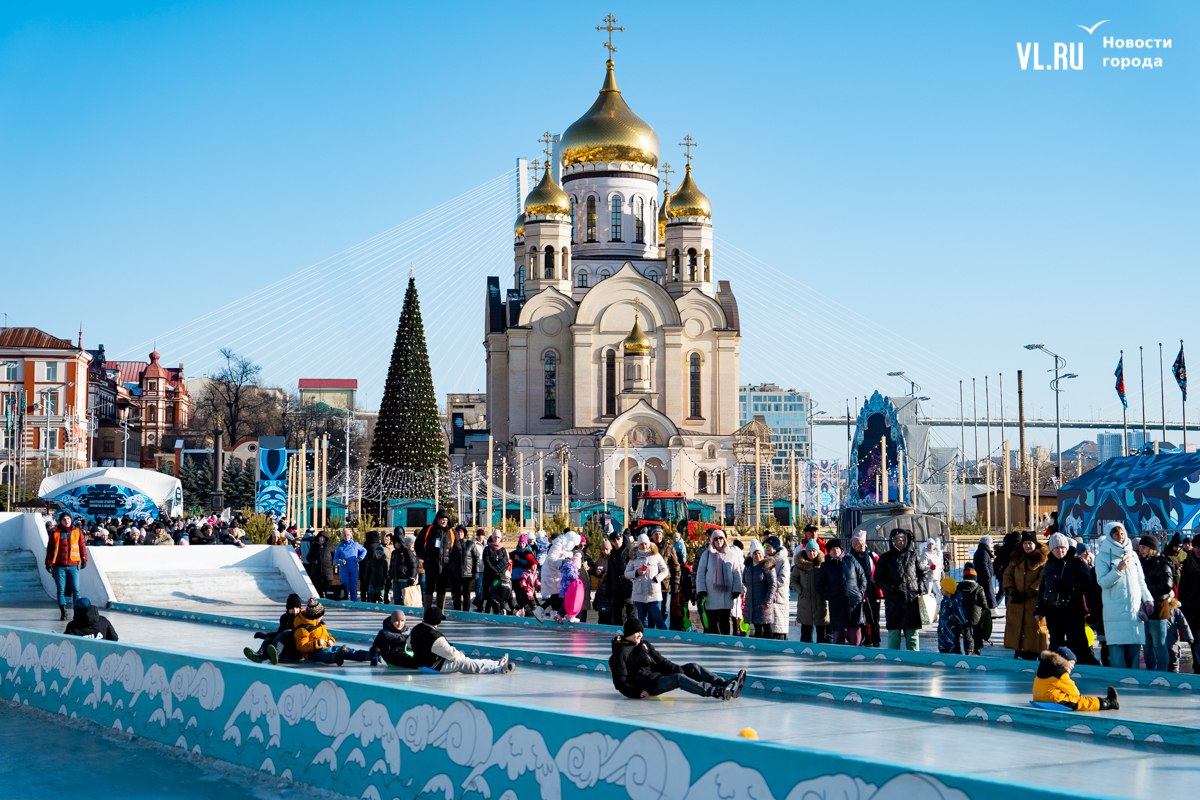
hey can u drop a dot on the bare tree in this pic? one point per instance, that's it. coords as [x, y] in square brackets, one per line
[306, 423]
[235, 398]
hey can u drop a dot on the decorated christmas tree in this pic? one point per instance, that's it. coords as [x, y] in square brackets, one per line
[408, 445]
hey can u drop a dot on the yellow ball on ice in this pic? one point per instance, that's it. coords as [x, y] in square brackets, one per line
[748, 733]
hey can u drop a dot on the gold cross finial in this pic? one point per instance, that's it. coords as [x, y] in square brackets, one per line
[610, 26]
[535, 170]
[547, 140]
[665, 170]
[687, 144]
[637, 306]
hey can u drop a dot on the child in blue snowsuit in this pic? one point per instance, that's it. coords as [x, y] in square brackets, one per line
[347, 557]
[952, 620]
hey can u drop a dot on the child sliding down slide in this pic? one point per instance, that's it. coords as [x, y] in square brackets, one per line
[1053, 686]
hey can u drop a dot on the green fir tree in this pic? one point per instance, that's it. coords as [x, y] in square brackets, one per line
[408, 442]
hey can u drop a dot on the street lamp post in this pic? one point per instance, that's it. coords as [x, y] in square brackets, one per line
[45, 393]
[913, 386]
[1059, 364]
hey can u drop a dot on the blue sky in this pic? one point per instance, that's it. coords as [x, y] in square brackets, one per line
[924, 204]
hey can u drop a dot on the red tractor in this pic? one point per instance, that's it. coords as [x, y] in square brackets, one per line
[670, 510]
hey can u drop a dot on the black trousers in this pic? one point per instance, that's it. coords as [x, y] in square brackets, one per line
[460, 592]
[691, 678]
[871, 629]
[719, 621]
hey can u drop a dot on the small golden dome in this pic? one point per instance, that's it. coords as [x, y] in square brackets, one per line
[519, 226]
[547, 197]
[610, 131]
[662, 215]
[637, 342]
[689, 201]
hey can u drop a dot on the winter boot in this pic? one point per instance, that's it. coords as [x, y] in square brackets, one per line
[62, 612]
[739, 683]
[1110, 703]
[339, 657]
[272, 653]
[253, 656]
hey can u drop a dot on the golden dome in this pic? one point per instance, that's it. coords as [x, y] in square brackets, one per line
[609, 132]
[547, 197]
[637, 342]
[519, 226]
[662, 215]
[689, 201]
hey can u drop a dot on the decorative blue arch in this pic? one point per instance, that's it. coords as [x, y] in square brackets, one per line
[876, 421]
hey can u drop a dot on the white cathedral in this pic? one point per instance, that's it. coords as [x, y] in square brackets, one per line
[616, 338]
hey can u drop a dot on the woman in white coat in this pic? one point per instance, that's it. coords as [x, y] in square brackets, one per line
[647, 570]
[1123, 589]
[560, 549]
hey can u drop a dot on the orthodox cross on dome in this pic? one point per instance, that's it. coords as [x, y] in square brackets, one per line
[610, 26]
[535, 170]
[687, 144]
[665, 170]
[547, 140]
[637, 306]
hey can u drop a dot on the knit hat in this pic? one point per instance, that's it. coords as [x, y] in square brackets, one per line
[643, 539]
[293, 601]
[1081, 548]
[522, 539]
[82, 603]
[949, 585]
[858, 536]
[774, 543]
[314, 609]
[442, 514]
[755, 547]
[969, 573]
[1029, 536]
[1058, 540]
[1148, 541]
[812, 545]
[986, 541]
[1066, 653]
[632, 625]
[832, 543]
[433, 616]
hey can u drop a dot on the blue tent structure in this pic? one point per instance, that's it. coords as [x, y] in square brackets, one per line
[1148, 494]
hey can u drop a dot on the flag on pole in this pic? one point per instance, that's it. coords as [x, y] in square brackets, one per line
[1179, 370]
[1120, 386]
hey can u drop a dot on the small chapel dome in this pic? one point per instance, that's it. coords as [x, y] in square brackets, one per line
[609, 131]
[637, 342]
[689, 201]
[547, 198]
[519, 226]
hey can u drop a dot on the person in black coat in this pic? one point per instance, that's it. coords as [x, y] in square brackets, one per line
[901, 574]
[1062, 598]
[984, 562]
[391, 643]
[434, 546]
[495, 562]
[639, 671]
[88, 623]
[403, 569]
[1010, 545]
[462, 569]
[617, 588]
[842, 582]
[320, 564]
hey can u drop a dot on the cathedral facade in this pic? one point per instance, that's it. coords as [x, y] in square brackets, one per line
[617, 346]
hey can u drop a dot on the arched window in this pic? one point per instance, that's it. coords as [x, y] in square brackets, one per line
[639, 220]
[548, 483]
[653, 228]
[717, 482]
[708, 265]
[610, 383]
[614, 220]
[521, 281]
[675, 265]
[533, 261]
[694, 386]
[605, 272]
[549, 263]
[712, 451]
[566, 264]
[550, 379]
[591, 219]
[573, 204]
[652, 275]
[702, 482]
[581, 278]
[692, 263]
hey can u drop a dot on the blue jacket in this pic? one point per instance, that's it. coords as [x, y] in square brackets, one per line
[349, 554]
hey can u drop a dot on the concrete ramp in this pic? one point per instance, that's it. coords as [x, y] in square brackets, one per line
[199, 587]
[20, 578]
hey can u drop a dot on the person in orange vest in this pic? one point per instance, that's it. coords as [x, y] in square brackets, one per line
[66, 554]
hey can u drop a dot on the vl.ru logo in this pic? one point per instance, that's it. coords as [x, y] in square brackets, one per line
[1062, 56]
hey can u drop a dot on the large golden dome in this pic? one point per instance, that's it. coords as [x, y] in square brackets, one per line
[637, 342]
[547, 197]
[689, 201]
[609, 132]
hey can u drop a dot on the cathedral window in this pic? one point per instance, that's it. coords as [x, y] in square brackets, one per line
[550, 380]
[674, 265]
[610, 383]
[581, 278]
[549, 265]
[639, 220]
[521, 281]
[694, 386]
[548, 483]
[591, 219]
[717, 482]
[693, 272]
[652, 275]
[708, 265]
[702, 482]
[614, 220]
[573, 204]
[604, 273]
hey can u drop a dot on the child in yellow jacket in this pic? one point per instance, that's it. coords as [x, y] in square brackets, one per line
[1053, 684]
